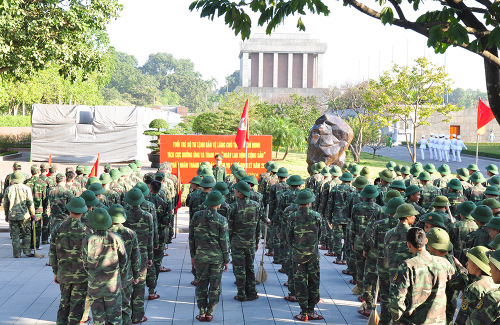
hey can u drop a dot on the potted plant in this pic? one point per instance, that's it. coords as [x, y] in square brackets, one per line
[157, 127]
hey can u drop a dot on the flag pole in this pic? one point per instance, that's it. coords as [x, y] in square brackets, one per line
[246, 157]
[477, 148]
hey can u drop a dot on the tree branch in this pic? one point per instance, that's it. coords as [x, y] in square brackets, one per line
[4, 69]
[398, 9]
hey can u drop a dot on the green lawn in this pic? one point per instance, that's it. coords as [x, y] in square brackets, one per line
[19, 120]
[485, 149]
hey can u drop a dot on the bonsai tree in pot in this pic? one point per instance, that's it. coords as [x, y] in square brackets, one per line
[157, 127]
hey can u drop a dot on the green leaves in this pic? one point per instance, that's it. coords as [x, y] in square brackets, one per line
[386, 16]
[458, 34]
[435, 36]
[494, 37]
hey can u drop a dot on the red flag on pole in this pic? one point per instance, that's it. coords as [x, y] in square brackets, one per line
[93, 172]
[50, 164]
[484, 116]
[243, 134]
[179, 186]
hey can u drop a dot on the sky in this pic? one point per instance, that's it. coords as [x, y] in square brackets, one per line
[359, 47]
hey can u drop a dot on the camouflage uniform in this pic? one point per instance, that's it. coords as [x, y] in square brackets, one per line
[104, 258]
[19, 207]
[337, 215]
[273, 179]
[396, 249]
[313, 181]
[273, 233]
[58, 196]
[230, 180]
[318, 191]
[131, 270]
[42, 208]
[418, 290]
[74, 188]
[383, 189]
[458, 232]
[487, 310]
[304, 233]
[412, 180]
[262, 179]
[457, 283]
[327, 230]
[65, 256]
[472, 295]
[427, 195]
[112, 197]
[142, 223]
[243, 234]
[455, 198]
[115, 186]
[441, 182]
[208, 245]
[475, 194]
[479, 237]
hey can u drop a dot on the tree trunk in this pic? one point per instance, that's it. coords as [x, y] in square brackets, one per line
[374, 151]
[277, 151]
[491, 72]
[355, 153]
[286, 153]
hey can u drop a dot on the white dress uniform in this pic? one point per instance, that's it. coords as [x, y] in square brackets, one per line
[423, 146]
[446, 148]
[454, 146]
[436, 147]
[430, 144]
[440, 146]
[460, 146]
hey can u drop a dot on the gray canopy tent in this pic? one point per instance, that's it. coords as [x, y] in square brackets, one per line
[76, 134]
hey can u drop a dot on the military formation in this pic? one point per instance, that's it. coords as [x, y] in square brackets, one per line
[416, 239]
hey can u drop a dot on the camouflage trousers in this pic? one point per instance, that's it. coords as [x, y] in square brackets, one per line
[350, 257]
[370, 277]
[289, 271]
[18, 228]
[107, 310]
[360, 271]
[138, 294]
[170, 233]
[45, 229]
[127, 304]
[55, 221]
[306, 279]
[339, 230]
[154, 271]
[208, 288]
[243, 270]
[451, 304]
[277, 249]
[38, 233]
[383, 289]
[72, 303]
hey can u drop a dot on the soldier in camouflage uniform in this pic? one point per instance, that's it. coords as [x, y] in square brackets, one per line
[15, 167]
[480, 237]
[405, 173]
[442, 182]
[397, 185]
[19, 210]
[239, 174]
[463, 176]
[99, 190]
[222, 188]
[303, 235]
[114, 185]
[53, 173]
[58, 196]
[218, 169]
[130, 273]
[80, 178]
[71, 185]
[271, 180]
[142, 223]
[428, 191]
[386, 179]
[418, 287]
[243, 218]
[208, 246]
[104, 258]
[476, 192]
[91, 202]
[263, 177]
[316, 177]
[494, 205]
[415, 170]
[41, 203]
[459, 230]
[44, 169]
[472, 168]
[412, 195]
[321, 187]
[488, 307]
[134, 177]
[230, 179]
[167, 186]
[65, 256]
[274, 231]
[124, 179]
[454, 194]
[111, 196]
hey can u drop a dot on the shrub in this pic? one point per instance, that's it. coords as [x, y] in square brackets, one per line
[8, 142]
[15, 121]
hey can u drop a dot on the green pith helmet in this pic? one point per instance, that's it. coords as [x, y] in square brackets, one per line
[294, 180]
[160, 176]
[386, 175]
[360, 182]
[115, 174]
[415, 170]
[440, 201]
[143, 187]
[465, 209]
[321, 165]
[412, 189]
[405, 170]
[207, 182]
[393, 205]
[336, 171]
[35, 168]
[495, 181]
[206, 172]
[478, 255]
[430, 168]
[397, 169]
[105, 178]
[282, 172]
[60, 177]
[482, 213]
[117, 213]
[273, 168]
[434, 219]
[233, 166]
[80, 168]
[243, 188]
[477, 177]
[424, 176]
[346, 177]
[495, 243]
[369, 192]
[53, 168]
[495, 258]
[207, 164]
[240, 174]
[100, 219]
[196, 180]
[133, 166]
[491, 203]
[346, 166]
[214, 198]
[97, 188]
[77, 205]
[91, 181]
[492, 190]
[134, 197]
[355, 170]
[222, 188]
[304, 197]
[494, 223]
[86, 170]
[398, 184]
[492, 169]
[473, 167]
[266, 165]
[463, 174]
[405, 210]
[365, 171]
[250, 179]
[90, 199]
[390, 165]
[455, 184]
[391, 194]
[439, 240]
[138, 163]
[325, 172]
[17, 177]
[125, 171]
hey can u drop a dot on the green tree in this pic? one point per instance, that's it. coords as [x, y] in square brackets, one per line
[466, 98]
[169, 97]
[411, 95]
[163, 64]
[232, 81]
[70, 34]
[285, 132]
[473, 26]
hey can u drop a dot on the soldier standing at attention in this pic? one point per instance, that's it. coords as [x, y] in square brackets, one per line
[219, 170]
[304, 233]
[208, 245]
[488, 308]
[130, 274]
[428, 191]
[66, 259]
[19, 211]
[459, 230]
[481, 236]
[476, 192]
[385, 182]
[58, 197]
[442, 182]
[418, 287]
[41, 204]
[243, 235]
[274, 201]
[142, 223]
[104, 258]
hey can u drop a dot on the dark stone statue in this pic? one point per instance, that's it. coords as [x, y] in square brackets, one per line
[328, 140]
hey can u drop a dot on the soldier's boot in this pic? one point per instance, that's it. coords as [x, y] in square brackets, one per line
[151, 282]
[45, 230]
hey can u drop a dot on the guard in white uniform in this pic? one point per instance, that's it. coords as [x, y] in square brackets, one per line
[423, 146]
[441, 147]
[436, 147]
[460, 146]
[430, 144]
[446, 148]
[453, 142]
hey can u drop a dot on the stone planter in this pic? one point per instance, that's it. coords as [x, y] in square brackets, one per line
[154, 158]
